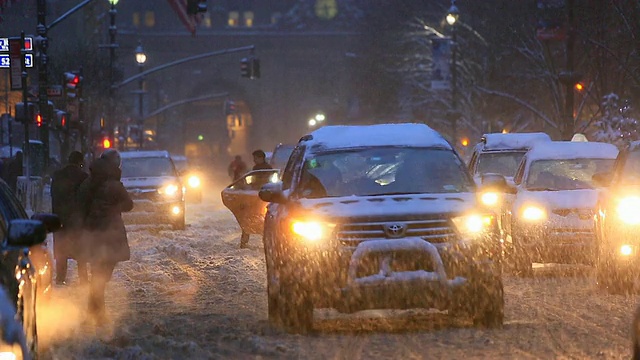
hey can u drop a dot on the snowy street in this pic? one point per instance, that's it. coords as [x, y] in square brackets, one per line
[194, 294]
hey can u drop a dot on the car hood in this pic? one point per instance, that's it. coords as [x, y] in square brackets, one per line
[390, 205]
[565, 199]
[148, 182]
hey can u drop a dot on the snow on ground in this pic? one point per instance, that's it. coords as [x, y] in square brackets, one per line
[194, 294]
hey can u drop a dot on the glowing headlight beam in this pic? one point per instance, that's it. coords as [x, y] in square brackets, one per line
[489, 198]
[193, 181]
[169, 190]
[626, 250]
[473, 224]
[6, 355]
[533, 213]
[629, 210]
[311, 231]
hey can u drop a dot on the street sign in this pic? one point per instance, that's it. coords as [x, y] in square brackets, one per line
[54, 91]
[4, 44]
[15, 54]
[5, 61]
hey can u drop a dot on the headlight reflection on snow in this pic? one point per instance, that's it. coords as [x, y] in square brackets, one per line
[629, 210]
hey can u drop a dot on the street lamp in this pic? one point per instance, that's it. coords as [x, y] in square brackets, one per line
[141, 58]
[312, 122]
[320, 117]
[113, 31]
[452, 19]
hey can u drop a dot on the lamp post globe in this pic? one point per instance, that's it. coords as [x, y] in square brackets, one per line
[113, 2]
[453, 14]
[312, 122]
[141, 57]
[320, 117]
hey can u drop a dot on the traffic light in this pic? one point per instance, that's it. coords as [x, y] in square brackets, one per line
[195, 7]
[255, 68]
[39, 119]
[61, 120]
[229, 107]
[245, 67]
[73, 83]
[20, 115]
[106, 143]
[579, 87]
[250, 67]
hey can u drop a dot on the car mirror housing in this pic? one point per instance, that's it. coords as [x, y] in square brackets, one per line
[51, 221]
[26, 233]
[602, 179]
[272, 193]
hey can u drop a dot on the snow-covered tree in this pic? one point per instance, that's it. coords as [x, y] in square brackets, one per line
[616, 125]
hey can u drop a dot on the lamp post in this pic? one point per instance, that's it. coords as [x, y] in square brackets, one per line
[452, 19]
[113, 30]
[141, 58]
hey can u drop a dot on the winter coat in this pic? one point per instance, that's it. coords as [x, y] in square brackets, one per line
[103, 198]
[237, 168]
[262, 166]
[64, 189]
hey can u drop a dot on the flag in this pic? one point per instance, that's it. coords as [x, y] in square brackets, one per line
[441, 63]
[190, 21]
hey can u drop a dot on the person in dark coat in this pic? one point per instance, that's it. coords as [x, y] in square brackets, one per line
[103, 199]
[64, 188]
[237, 168]
[260, 161]
[14, 170]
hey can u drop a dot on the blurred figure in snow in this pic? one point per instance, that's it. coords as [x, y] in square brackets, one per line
[103, 198]
[260, 161]
[237, 168]
[64, 189]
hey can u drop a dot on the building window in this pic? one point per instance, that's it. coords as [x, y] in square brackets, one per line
[207, 20]
[149, 19]
[326, 9]
[275, 17]
[248, 18]
[136, 19]
[234, 18]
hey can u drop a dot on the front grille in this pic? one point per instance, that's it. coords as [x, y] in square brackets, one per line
[144, 194]
[431, 230]
[584, 214]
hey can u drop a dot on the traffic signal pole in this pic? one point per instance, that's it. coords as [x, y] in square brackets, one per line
[25, 152]
[43, 84]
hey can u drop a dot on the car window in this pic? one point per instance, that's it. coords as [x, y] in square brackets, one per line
[629, 172]
[281, 155]
[255, 180]
[147, 167]
[383, 171]
[504, 163]
[517, 179]
[10, 208]
[472, 162]
[289, 170]
[565, 174]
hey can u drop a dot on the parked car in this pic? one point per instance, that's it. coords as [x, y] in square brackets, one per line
[379, 216]
[550, 216]
[26, 270]
[280, 156]
[155, 187]
[192, 178]
[617, 222]
[241, 197]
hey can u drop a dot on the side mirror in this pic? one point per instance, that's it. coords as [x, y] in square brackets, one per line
[602, 179]
[272, 193]
[26, 233]
[51, 221]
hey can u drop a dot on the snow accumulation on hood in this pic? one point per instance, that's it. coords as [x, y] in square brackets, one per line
[568, 199]
[396, 205]
[410, 135]
[572, 150]
[499, 141]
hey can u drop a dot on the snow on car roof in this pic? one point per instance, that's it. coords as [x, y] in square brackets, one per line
[500, 141]
[572, 150]
[144, 154]
[407, 134]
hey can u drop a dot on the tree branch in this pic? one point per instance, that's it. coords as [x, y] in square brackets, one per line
[519, 101]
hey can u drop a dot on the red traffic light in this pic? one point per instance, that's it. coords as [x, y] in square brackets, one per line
[63, 121]
[106, 143]
[39, 120]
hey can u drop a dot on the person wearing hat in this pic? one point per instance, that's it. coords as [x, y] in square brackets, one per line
[64, 187]
[103, 198]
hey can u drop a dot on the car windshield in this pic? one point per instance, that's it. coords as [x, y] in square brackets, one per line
[147, 167]
[503, 163]
[281, 156]
[630, 174]
[384, 171]
[574, 174]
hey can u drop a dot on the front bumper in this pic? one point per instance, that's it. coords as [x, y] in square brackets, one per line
[565, 241]
[396, 274]
[146, 211]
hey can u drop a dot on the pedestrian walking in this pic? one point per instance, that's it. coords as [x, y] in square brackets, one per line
[103, 199]
[237, 168]
[260, 161]
[64, 189]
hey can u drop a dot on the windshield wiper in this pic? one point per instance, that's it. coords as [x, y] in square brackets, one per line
[394, 193]
[542, 189]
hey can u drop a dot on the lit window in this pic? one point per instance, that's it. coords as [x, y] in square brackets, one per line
[207, 20]
[234, 18]
[326, 9]
[275, 17]
[149, 19]
[136, 19]
[248, 18]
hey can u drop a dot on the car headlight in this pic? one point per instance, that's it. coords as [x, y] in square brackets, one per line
[474, 225]
[626, 250]
[312, 231]
[489, 198]
[193, 181]
[169, 190]
[629, 210]
[533, 213]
